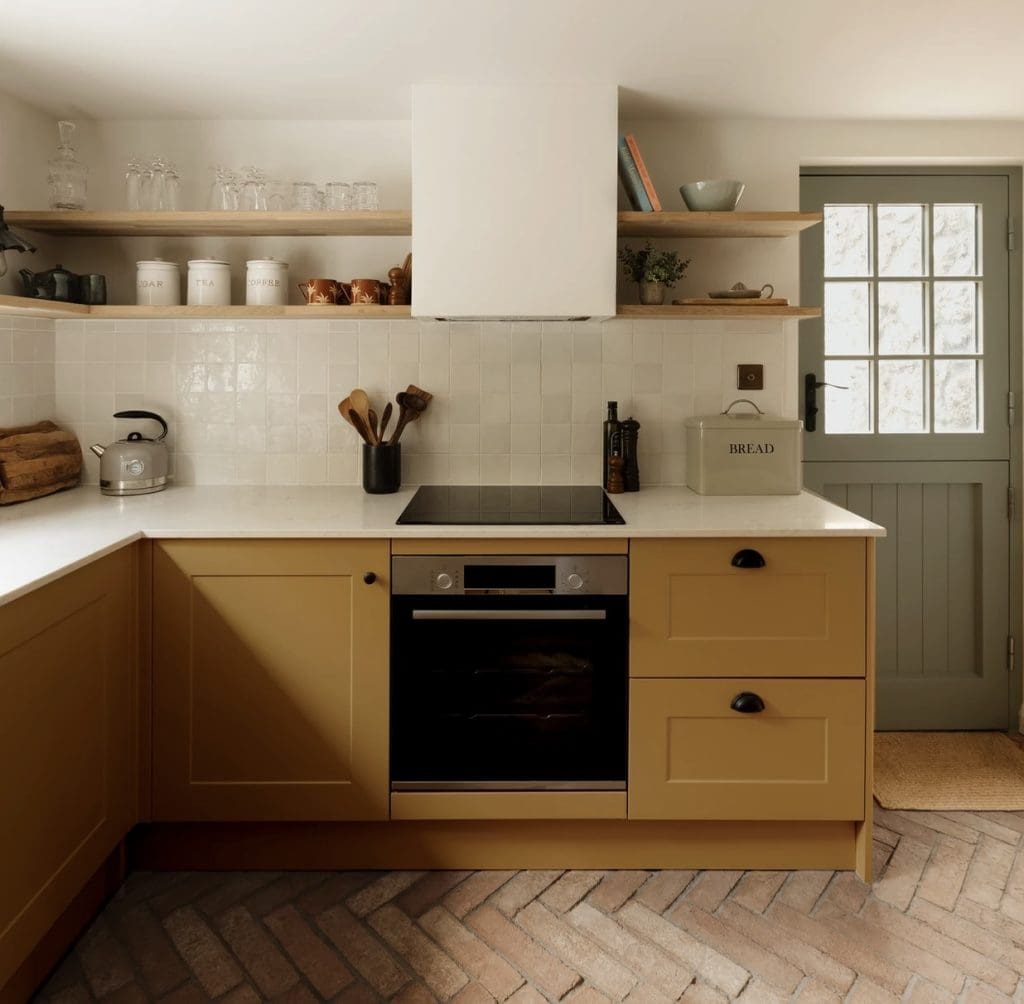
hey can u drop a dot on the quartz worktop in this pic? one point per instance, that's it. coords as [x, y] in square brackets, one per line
[46, 538]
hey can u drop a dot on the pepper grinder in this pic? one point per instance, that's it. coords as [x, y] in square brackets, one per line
[615, 484]
[611, 427]
[630, 432]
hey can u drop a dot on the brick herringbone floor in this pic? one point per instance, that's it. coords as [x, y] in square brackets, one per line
[944, 921]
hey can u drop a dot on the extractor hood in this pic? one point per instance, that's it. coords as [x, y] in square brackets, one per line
[514, 201]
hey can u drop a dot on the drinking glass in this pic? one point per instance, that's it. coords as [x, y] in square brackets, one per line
[338, 195]
[364, 195]
[158, 185]
[254, 193]
[172, 189]
[304, 195]
[133, 185]
[279, 196]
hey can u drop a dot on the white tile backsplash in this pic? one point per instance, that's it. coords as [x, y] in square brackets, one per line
[254, 402]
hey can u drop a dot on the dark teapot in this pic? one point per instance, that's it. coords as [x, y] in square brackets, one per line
[56, 284]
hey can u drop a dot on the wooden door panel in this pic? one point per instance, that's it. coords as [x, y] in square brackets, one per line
[270, 680]
[692, 757]
[693, 614]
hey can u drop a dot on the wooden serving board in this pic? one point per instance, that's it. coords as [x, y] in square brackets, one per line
[732, 301]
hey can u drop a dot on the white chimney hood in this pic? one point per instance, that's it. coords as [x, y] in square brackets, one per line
[514, 201]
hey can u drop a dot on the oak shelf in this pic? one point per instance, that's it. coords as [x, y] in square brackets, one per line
[117, 223]
[28, 307]
[692, 224]
[725, 311]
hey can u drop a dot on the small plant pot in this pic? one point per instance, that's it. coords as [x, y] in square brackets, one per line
[382, 469]
[652, 294]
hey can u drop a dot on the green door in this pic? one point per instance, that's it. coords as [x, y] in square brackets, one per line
[909, 370]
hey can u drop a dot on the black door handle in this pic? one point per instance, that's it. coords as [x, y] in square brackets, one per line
[748, 703]
[748, 558]
[370, 578]
[811, 409]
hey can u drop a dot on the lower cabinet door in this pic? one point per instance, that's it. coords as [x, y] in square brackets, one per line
[270, 680]
[746, 749]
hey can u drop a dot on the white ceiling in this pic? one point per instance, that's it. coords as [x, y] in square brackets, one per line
[896, 59]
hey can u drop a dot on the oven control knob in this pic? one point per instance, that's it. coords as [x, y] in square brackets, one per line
[443, 580]
[574, 580]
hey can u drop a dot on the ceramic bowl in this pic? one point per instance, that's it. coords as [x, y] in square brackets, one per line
[714, 196]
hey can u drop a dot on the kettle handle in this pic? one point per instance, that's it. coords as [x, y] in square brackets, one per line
[145, 414]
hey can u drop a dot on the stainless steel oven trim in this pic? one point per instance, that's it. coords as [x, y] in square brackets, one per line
[510, 615]
[508, 785]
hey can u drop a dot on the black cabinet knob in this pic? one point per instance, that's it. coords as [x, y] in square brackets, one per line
[748, 558]
[370, 578]
[747, 703]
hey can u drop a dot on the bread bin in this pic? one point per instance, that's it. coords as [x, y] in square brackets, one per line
[134, 465]
[746, 453]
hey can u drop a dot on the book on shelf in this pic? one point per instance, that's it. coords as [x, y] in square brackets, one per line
[641, 167]
[631, 181]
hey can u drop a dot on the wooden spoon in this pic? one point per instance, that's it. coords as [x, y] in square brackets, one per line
[373, 426]
[361, 407]
[345, 407]
[384, 419]
[360, 426]
[412, 406]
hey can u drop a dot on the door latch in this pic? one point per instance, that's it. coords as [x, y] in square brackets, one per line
[811, 385]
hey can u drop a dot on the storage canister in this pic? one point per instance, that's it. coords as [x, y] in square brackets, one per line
[157, 283]
[266, 282]
[209, 283]
[744, 453]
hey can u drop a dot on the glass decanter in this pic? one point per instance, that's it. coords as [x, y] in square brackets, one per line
[67, 174]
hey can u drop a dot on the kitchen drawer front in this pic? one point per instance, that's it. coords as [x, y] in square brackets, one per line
[692, 757]
[694, 613]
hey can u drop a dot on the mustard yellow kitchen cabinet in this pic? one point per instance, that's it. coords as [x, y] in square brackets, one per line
[746, 749]
[747, 607]
[270, 680]
[67, 743]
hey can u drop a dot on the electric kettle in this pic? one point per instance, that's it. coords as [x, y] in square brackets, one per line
[136, 465]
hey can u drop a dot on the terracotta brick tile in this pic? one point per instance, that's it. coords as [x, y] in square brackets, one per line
[67, 974]
[923, 992]
[422, 895]
[322, 967]
[183, 893]
[596, 966]
[960, 956]
[142, 886]
[706, 962]
[269, 969]
[415, 993]
[979, 993]
[441, 974]
[285, 889]
[907, 826]
[942, 823]
[569, 890]
[615, 888]
[880, 855]
[522, 888]
[756, 992]
[473, 993]
[710, 889]
[334, 891]
[663, 888]
[644, 993]
[845, 894]
[991, 944]
[527, 995]
[367, 955]
[906, 866]
[866, 992]
[883, 835]
[898, 951]
[987, 874]
[976, 821]
[802, 890]
[470, 894]
[701, 993]
[991, 920]
[1015, 880]
[649, 963]
[539, 965]
[104, 960]
[484, 965]
[157, 964]
[76, 994]
[358, 993]
[243, 995]
[757, 889]
[1011, 820]
[377, 893]
[727, 940]
[808, 959]
[132, 993]
[190, 993]
[228, 893]
[208, 959]
[813, 992]
[587, 995]
[944, 876]
[298, 994]
[865, 961]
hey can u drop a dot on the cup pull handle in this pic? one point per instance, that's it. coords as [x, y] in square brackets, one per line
[748, 558]
[747, 703]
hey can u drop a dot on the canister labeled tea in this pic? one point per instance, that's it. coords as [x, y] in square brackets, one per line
[209, 283]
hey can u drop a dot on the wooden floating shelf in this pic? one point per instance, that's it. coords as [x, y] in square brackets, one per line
[731, 310]
[337, 223]
[27, 307]
[687, 224]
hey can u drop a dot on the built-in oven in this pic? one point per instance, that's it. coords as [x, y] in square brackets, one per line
[509, 672]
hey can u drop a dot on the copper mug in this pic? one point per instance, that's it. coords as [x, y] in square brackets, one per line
[323, 291]
[369, 291]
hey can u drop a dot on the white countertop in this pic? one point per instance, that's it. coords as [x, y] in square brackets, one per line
[46, 538]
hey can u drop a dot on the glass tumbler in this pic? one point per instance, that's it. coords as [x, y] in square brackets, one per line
[364, 195]
[304, 196]
[338, 195]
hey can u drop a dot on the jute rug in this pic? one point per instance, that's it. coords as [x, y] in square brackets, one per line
[948, 770]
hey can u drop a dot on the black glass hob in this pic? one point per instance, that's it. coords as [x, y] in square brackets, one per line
[510, 504]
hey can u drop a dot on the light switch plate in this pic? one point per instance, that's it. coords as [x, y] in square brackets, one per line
[750, 376]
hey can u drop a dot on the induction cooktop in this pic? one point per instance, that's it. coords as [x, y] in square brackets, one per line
[510, 504]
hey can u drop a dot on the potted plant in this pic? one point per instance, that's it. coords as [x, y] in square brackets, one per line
[653, 271]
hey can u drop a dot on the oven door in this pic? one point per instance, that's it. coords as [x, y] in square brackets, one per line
[509, 692]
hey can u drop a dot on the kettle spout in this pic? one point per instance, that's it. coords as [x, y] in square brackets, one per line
[97, 449]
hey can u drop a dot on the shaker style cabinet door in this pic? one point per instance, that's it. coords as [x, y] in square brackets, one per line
[747, 607]
[270, 680]
[746, 749]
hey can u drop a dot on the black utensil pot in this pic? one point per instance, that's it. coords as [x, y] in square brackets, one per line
[382, 469]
